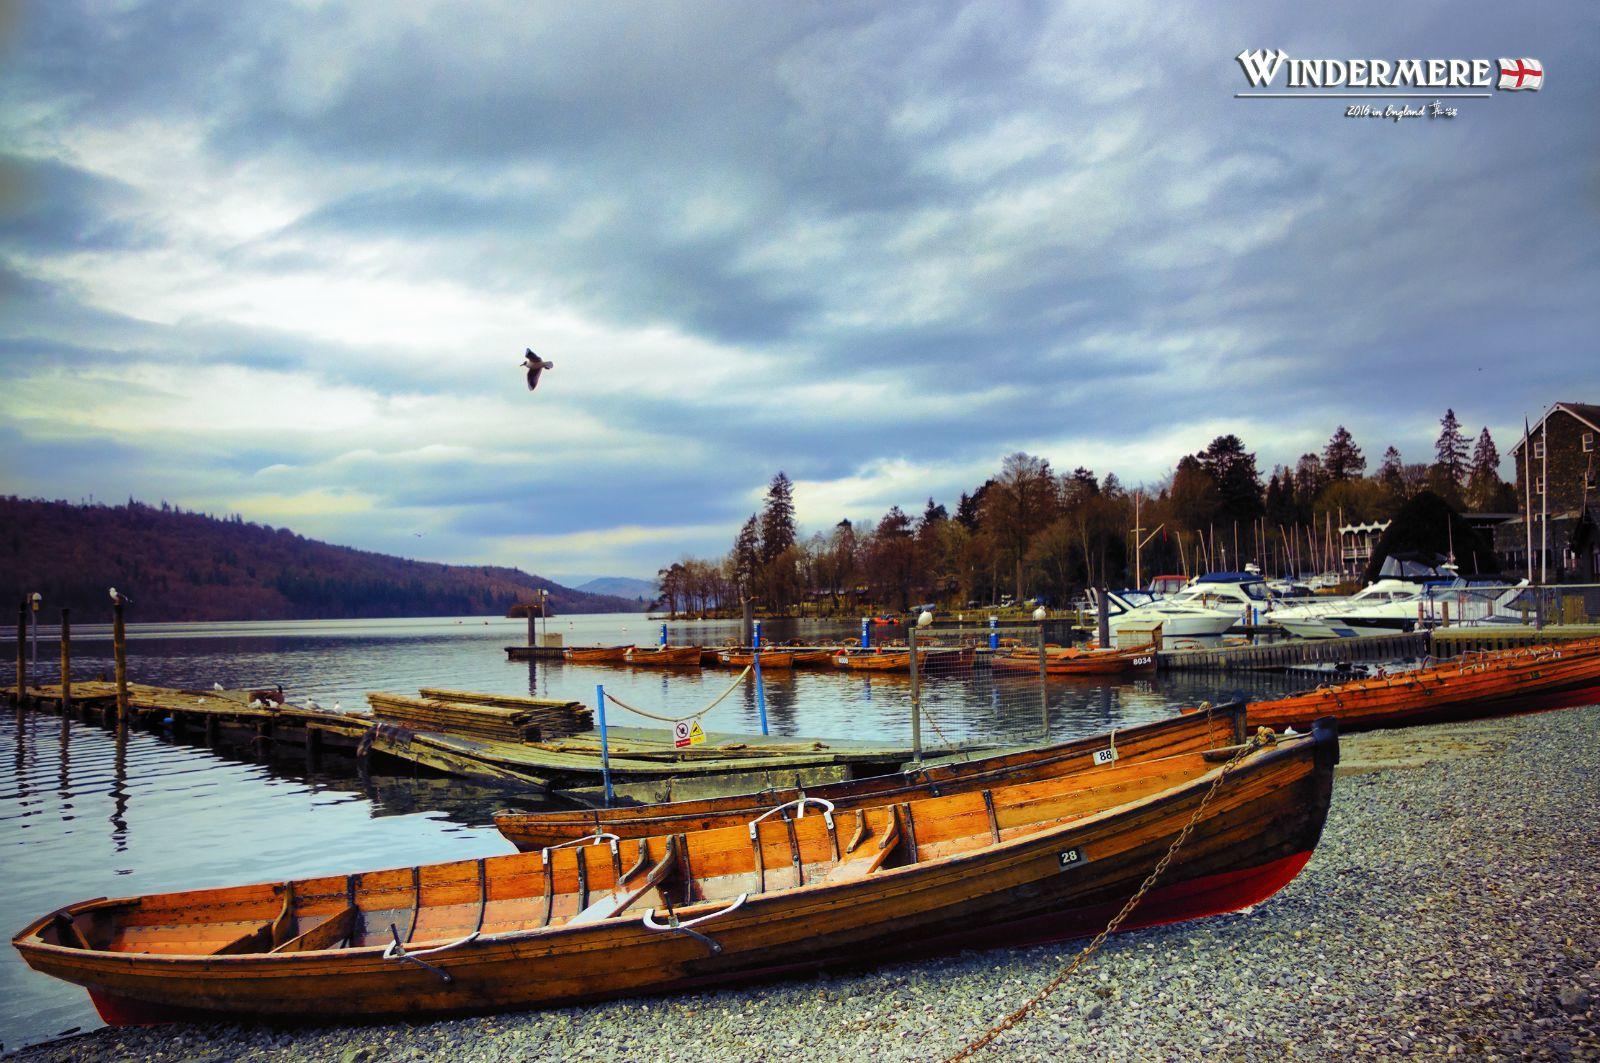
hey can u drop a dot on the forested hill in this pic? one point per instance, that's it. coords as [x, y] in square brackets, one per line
[188, 566]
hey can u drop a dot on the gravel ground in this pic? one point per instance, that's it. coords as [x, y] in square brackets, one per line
[1450, 911]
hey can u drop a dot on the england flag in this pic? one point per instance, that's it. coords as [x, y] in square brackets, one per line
[1518, 74]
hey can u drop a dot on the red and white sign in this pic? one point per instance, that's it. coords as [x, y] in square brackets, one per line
[1516, 74]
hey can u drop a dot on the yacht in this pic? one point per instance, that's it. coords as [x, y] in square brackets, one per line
[1205, 608]
[1456, 602]
[1310, 620]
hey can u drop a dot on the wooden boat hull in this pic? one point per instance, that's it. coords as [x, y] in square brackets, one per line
[1492, 684]
[665, 657]
[596, 654]
[1225, 725]
[814, 659]
[771, 660]
[875, 662]
[1113, 662]
[1258, 829]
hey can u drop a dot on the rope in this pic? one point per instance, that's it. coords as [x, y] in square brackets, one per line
[1117, 920]
[619, 703]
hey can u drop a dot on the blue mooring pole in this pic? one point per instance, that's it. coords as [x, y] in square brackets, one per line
[663, 633]
[756, 635]
[994, 632]
[605, 750]
[761, 690]
[866, 633]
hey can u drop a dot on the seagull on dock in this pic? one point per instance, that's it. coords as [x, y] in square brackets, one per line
[535, 365]
[311, 703]
[216, 686]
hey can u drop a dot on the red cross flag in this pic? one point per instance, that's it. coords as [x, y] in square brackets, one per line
[1521, 74]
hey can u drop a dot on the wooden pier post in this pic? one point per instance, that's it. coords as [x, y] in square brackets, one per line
[119, 650]
[916, 697]
[22, 654]
[1044, 683]
[66, 663]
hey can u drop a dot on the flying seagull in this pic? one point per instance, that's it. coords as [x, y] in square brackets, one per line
[535, 366]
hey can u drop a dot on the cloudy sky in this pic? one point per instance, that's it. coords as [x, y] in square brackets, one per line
[283, 260]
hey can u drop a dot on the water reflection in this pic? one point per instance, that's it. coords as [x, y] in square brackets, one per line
[87, 804]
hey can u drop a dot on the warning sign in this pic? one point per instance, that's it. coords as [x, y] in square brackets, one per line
[687, 733]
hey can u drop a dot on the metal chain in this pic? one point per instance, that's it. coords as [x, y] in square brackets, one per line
[1117, 920]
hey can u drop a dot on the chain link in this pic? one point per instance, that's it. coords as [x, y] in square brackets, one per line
[1060, 979]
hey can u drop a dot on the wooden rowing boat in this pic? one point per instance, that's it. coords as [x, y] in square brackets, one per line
[1078, 662]
[1218, 726]
[1024, 863]
[1473, 685]
[814, 658]
[885, 661]
[665, 656]
[596, 654]
[770, 659]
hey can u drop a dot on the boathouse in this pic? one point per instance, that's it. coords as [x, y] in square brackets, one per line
[1556, 483]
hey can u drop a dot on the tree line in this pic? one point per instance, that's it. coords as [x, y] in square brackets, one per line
[1033, 531]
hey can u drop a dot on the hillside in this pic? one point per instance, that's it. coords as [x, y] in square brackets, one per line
[188, 566]
[621, 587]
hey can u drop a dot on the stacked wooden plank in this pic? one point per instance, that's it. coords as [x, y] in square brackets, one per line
[485, 716]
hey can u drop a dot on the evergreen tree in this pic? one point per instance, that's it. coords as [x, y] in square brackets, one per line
[1450, 451]
[1341, 458]
[932, 514]
[1392, 475]
[1483, 478]
[747, 555]
[1233, 469]
[777, 518]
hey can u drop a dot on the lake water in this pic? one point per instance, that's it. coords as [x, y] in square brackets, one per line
[83, 814]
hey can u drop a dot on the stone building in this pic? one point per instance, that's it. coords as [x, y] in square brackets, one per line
[1559, 479]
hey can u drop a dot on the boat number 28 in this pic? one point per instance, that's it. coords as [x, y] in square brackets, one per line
[1071, 858]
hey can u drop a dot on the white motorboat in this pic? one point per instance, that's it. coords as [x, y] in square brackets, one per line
[1310, 620]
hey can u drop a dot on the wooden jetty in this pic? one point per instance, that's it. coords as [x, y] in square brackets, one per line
[1449, 641]
[210, 717]
[1290, 652]
[646, 765]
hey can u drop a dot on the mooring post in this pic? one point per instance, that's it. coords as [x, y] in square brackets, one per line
[1044, 682]
[761, 690]
[532, 622]
[66, 663]
[1103, 619]
[22, 653]
[994, 634]
[662, 641]
[866, 633]
[747, 608]
[605, 749]
[916, 697]
[119, 649]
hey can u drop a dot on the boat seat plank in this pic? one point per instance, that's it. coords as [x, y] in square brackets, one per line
[622, 898]
[258, 939]
[325, 935]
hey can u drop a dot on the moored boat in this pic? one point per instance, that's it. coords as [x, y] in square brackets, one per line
[1078, 662]
[1213, 727]
[1472, 685]
[770, 659]
[881, 661]
[1014, 864]
[665, 656]
[596, 654]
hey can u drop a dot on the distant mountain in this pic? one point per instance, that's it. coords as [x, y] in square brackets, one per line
[621, 587]
[174, 565]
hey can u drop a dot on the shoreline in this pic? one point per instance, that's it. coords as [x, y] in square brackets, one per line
[1448, 911]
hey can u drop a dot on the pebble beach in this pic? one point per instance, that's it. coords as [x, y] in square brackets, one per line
[1450, 911]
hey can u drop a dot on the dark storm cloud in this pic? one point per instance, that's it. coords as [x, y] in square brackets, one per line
[956, 230]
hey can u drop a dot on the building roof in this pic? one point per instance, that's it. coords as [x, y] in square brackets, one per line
[1587, 412]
